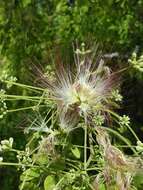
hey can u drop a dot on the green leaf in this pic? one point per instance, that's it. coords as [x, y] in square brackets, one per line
[138, 180]
[76, 152]
[26, 2]
[49, 183]
[102, 186]
[41, 158]
[30, 174]
[29, 186]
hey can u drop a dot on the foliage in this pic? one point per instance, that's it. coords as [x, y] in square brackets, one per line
[30, 31]
[61, 23]
[69, 146]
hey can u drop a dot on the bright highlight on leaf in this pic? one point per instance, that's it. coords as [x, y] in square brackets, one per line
[49, 183]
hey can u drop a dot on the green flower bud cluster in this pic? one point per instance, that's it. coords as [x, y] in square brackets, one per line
[5, 77]
[99, 120]
[24, 158]
[117, 96]
[6, 145]
[3, 106]
[82, 51]
[124, 120]
[137, 63]
[139, 147]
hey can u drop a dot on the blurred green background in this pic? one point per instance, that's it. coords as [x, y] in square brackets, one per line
[31, 30]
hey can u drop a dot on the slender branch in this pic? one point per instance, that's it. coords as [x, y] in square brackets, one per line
[91, 149]
[24, 108]
[22, 97]
[133, 133]
[85, 146]
[17, 164]
[24, 86]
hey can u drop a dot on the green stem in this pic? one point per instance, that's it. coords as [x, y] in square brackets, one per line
[11, 99]
[59, 182]
[24, 181]
[91, 187]
[25, 178]
[85, 146]
[131, 130]
[24, 86]
[22, 97]
[91, 149]
[133, 133]
[95, 169]
[25, 108]
[16, 164]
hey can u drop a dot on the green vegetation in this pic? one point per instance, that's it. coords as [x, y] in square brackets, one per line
[62, 137]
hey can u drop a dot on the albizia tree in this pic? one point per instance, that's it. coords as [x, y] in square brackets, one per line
[69, 143]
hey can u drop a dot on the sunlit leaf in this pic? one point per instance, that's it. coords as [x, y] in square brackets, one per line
[49, 183]
[76, 152]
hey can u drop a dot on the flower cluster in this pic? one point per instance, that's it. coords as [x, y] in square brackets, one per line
[117, 96]
[124, 121]
[139, 147]
[84, 92]
[3, 106]
[6, 77]
[6, 144]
